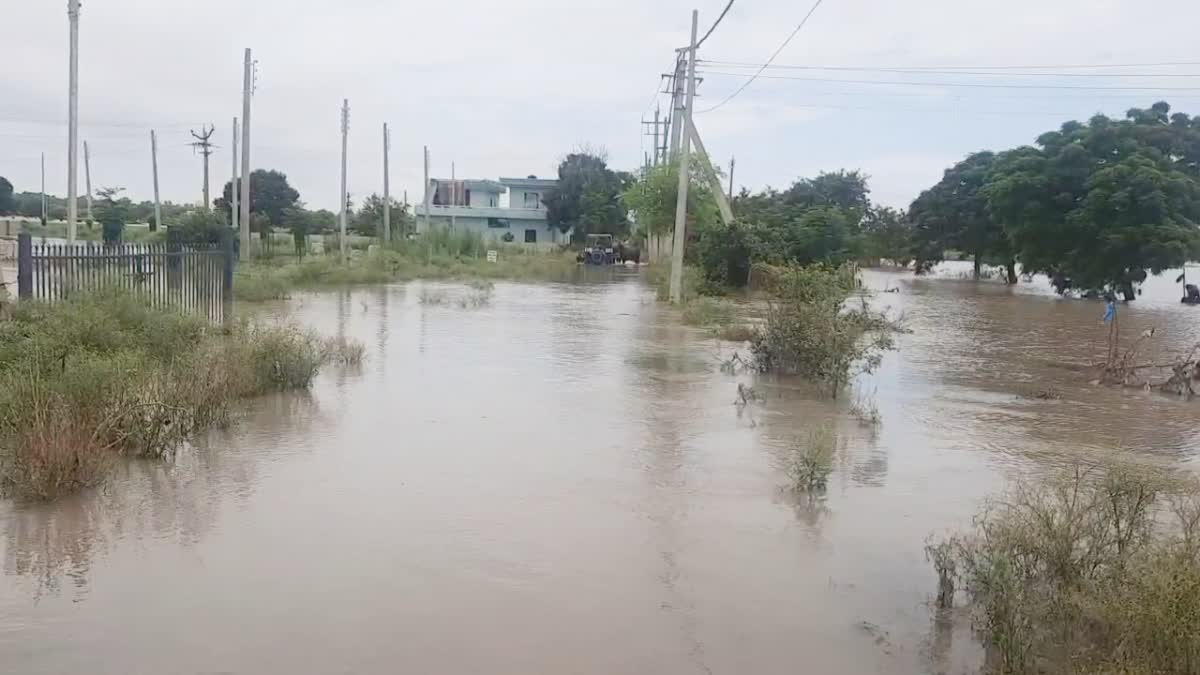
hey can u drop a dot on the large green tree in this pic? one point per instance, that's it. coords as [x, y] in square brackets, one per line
[651, 201]
[587, 198]
[954, 214]
[1097, 205]
[7, 203]
[270, 195]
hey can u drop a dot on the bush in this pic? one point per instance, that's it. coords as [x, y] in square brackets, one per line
[1094, 569]
[808, 331]
[85, 381]
[812, 461]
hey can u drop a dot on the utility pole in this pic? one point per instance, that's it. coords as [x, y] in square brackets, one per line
[387, 195]
[244, 219]
[732, 161]
[345, 197]
[426, 188]
[87, 180]
[44, 221]
[73, 122]
[677, 103]
[205, 146]
[453, 196]
[234, 188]
[656, 123]
[685, 119]
[154, 163]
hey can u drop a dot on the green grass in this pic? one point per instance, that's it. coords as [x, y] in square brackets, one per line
[277, 279]
[85, 382]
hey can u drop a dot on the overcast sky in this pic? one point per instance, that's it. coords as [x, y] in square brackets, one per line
[507, 88]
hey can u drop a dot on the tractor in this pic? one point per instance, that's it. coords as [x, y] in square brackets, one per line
[599, 250]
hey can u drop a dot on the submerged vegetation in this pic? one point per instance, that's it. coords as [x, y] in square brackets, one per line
[811, 461]
[85, 382]
[1094, 569]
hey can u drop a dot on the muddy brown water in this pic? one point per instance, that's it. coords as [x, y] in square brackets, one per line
[559, 482]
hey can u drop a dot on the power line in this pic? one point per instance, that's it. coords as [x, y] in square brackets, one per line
[943, 71]
[980, 85]
[769, 61]
[715, 24]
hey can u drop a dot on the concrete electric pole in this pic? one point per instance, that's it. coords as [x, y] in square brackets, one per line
[234, 188]
[426, 188]
[345, 197]
[87, 180]
[154, 165]
[387, 195]
[244, 219]
[73, 123]
[205, 145]
[685, 120]
[44, 221]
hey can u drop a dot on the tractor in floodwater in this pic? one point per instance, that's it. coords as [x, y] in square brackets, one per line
[599, 249]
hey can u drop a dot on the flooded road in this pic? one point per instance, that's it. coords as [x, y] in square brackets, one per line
[559, 482]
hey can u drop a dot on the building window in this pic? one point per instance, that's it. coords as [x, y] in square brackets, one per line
[530, 236]
[498, 222]
[532, 201]
[492, 201]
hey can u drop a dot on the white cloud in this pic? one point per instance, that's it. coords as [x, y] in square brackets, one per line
[508, 88]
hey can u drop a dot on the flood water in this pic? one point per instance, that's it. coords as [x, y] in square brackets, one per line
[559, 482]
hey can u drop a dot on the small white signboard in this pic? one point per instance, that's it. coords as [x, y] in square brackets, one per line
[493, 256]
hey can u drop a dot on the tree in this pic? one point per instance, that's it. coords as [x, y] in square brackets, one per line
[112, 213]
[840, 189]
[887, 233]
[368, 221]
[651, 201]
[954, 214]
[1096, 205]
[7, 203]
[270, 196]
[199, 226]
[587, 197]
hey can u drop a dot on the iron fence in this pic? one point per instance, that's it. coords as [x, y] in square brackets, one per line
[194, 278]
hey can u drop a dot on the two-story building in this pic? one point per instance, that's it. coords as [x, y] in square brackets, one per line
[507, 210]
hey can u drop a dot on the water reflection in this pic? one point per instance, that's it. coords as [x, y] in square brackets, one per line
[519, 487]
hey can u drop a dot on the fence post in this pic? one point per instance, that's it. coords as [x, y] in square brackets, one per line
[24, 266]
[174, 259]
[227, 276]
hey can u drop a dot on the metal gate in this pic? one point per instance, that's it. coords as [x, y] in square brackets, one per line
[194, 278]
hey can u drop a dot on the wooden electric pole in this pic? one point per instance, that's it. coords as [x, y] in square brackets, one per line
[87, 180]
[345, 197]
[205, 145]
[244, 218]
[154, 164]
[685, 119]
[732, 162]
[73, 123]
[387, 194]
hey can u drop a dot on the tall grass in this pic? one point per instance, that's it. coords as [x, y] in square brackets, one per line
[1095, 569]
[86, 381]
[436, 255]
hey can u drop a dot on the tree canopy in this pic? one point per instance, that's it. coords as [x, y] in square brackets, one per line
[270, 195]
[368, 220]
[587, 197]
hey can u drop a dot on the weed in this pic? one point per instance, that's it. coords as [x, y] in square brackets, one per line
[345, 352]
[430, 296]
[475, 300]
[812, 461]
[1093, 569]
[734, 332]
[88, 380]
[707, 312]
[864, 410]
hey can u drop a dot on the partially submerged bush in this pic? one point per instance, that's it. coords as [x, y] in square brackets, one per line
[809, 332]
[812, 460]
[1095, 569]
[85, 381]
